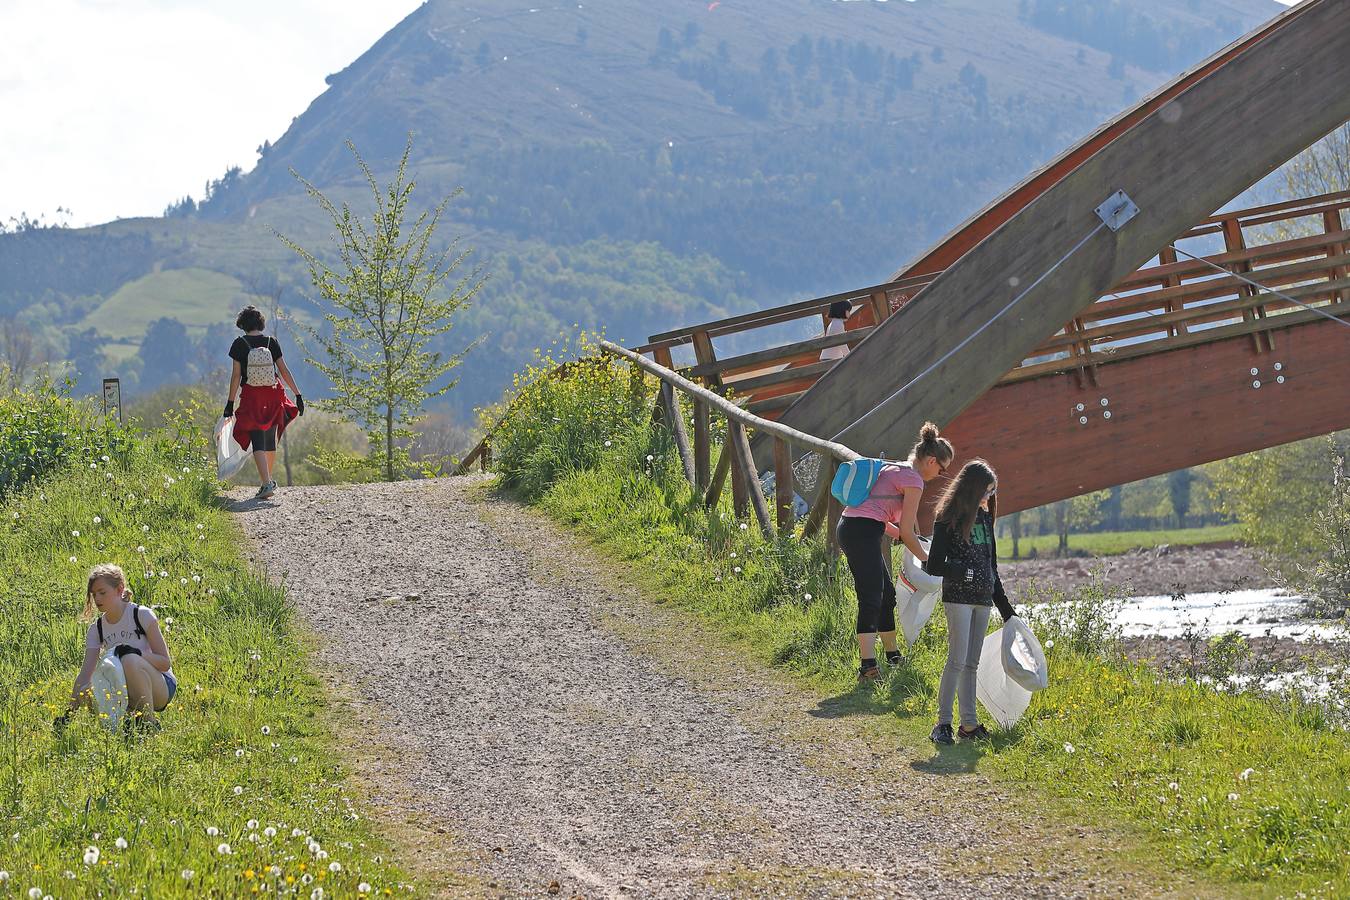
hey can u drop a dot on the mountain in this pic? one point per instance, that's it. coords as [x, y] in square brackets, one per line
[637, 165]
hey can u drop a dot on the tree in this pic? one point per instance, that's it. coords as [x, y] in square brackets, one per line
[21, 352]
[1179, 491]
[1324, 168]
[166, 355]
[384, 303]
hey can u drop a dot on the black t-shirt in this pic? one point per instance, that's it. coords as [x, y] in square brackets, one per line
[239, 351]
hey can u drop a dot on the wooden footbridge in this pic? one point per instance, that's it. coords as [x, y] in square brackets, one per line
[1096, 325]
[1076, 351]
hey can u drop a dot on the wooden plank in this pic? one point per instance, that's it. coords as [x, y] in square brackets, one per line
[777, 354]
[1210, 411]
[740, 490]
[675, 421]
[783, 487]
[744, 463]
[1177, 169]
[719, 479]
[1294, 249]
[749, 385]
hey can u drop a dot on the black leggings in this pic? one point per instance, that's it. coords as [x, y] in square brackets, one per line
[262, 440]
[860, 539]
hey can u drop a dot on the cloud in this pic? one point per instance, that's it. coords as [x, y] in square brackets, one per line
[117, 108]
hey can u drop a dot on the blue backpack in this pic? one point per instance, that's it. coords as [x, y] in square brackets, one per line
[854, 480]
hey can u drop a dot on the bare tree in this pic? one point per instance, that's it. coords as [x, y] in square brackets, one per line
[21, 352]
[1324, 168]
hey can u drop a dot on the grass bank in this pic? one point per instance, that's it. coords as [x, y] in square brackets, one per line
[1246, 790]
[244, 791]
[1113, 543]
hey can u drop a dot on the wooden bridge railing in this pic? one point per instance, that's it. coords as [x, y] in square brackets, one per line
[736, 450]
[1171, 303]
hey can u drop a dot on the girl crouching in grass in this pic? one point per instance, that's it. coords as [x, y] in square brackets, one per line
[965, 555]
[130, 632]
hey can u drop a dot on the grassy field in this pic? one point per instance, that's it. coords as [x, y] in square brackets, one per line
[1247, 791]
[195, 297]
[244, 790]
[1111, 543]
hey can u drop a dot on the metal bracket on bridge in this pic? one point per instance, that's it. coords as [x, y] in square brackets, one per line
[1116, 210]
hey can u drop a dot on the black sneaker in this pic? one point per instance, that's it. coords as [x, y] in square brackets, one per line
[978, 733]
[942, 734]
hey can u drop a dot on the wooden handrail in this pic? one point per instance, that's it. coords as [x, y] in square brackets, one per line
[731, 410]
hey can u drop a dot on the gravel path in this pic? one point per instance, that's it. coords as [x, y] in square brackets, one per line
[545, 730]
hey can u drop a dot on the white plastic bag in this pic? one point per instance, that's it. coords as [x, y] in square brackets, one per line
[109, 686]
[916, 595]
[1012, 665]
[230, 456]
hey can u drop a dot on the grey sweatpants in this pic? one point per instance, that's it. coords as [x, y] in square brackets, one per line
[966, 624]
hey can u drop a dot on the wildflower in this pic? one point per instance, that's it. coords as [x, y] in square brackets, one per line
[296, 832]
[806, 597]
[744, 526]
[266, 729]
[269, 831]
[105, 458]
[253, 837]
[335, 866]
[719, 579]
[607, 444]
[97, 520]
[1050, 643]
[239, 753]
[1068, 748]
[1246, 773]
[238, 790]
[186, 470]
[72, 559]
[733, 555]
[4, 876]
[196, 579]
[248, 873]
[182, 581]
[321, 855]
[35, 893]
[210, 592]
[274, 871]
[252, 824]
[650, 457]
[224, 850]
[363, 887]
[141, 549]
[75, 533]
[316, 894]
[200, 526]
[1232, 798]
[120, 843]
[212, 831]
[294, 760]
[163, 574]
[737, 570]
[1172, 785]
[306, 878]
[145, 528]
[91, 855]
[188, 874]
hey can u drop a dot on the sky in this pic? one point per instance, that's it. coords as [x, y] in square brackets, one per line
[115, 108]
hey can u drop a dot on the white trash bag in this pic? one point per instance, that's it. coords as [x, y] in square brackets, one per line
[916, 595]
[1012, 666]
[109, 686]
[230, 456]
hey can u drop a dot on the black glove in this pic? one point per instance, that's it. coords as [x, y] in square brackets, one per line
[122, 650]
[300, 404]
[229, 409]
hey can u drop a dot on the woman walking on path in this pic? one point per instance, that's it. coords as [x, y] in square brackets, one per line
[890, 510]
[131, 633]
[965, 554]
[264, 409]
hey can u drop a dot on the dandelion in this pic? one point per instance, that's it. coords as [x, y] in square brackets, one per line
[296, 832]
[224, 850]
[806, 597]
[253, 837]
[163, 574]
[73, 559]
[35, 893]
[316, 894]
[239, 754]
[182, 581]
[274, 871]
[75, 533]
[607, 444]
[145, 528]
[737, 570]
[120, 843]
[200, 526]
[335, 866]
[719, 579]
[363, 887]
[212, 831]
[269, 831]
[210, 592]
[294, 760]
[1068, 748]
[744, 526]
[650, 457]
[196, 579]
[306, 878]
[321, 855]
[266, 729]
[141, 549]
[91, 855]
[186, 470]
[251, 824]
[105, 458]
[1246, 773]
[238, 790]
[1173, 786]
[188, 874]
[1050, 643]
[97, 520]
[4, 876]
[1232, 798]
[314, 847]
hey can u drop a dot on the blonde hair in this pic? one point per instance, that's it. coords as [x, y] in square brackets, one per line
[107, 572]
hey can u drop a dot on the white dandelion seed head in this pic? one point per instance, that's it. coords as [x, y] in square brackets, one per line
[75, 533]
[363, 887]
[182, 581]
[239, 753]
[733, 555]
[188, 874]
[140, 549]
[294, 760]
[196, 579]
[316, 894]
[91, 856]
[253, 837]
[1050, 643]
[212, 831]
[35, 893]
[4, 876]
[306, 878]
[1232, 798]
[744, 526]
[1068, 748]
[163, 574]
[1246, 773]
[145, 528]
[650, 457]
[120, 843]
[719, 579]
[1173, 786]
[251, 824]
[238, 790]
[224, 850]
[266, 729]
[73, 559]
[98, 520]
[269, 831]
[321, 855]
[335, 866]
[609, 443]
[806, 597]
[737, 570]
[105, 458]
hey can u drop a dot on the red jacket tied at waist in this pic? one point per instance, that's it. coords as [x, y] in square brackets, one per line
[261, 409]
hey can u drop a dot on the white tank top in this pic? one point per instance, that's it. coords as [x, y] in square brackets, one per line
[123, 632]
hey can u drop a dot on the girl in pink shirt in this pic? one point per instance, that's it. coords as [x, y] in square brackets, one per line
[891, 510]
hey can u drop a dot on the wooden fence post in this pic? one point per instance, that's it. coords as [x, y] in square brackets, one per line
[820, 503]
[702, 444]
[675, 419]
[744, 463]
[719, 479]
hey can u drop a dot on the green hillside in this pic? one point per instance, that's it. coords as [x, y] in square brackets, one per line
[638, 166]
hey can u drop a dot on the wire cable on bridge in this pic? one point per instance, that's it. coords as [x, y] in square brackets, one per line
[1261, 287]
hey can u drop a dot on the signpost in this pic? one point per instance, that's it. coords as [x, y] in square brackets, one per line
[112, 397]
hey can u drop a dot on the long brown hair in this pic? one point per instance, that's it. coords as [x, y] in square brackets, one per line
[960, 503]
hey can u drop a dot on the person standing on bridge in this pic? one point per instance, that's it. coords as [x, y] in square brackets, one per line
[264, 409]
[890, 510]
[837, 318]
[965, 554]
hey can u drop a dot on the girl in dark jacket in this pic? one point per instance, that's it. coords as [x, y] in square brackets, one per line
[965, 555]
